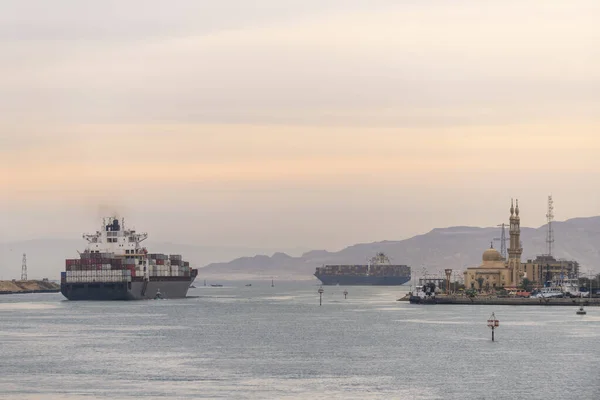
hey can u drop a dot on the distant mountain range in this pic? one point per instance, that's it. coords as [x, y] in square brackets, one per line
[455, 247]
[46, 257]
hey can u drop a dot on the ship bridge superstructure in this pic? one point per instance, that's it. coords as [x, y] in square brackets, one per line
[113, 237]
[380, 259]
[378, 271]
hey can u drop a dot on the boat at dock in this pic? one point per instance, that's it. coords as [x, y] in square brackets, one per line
[501, 301]
[114, 266]
[565, 287]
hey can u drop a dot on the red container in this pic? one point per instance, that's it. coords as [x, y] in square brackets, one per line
[160, 262]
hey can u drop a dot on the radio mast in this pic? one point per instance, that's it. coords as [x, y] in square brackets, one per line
[550, 233]
[24, 268]
[503, 239]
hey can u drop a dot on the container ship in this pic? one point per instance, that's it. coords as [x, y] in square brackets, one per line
[114, 266]
[379, 271]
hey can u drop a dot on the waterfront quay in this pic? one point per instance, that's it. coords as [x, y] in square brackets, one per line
[502, 301]
[28, 286]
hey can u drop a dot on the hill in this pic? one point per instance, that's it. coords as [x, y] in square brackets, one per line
[10, 287]
[455, 247]
[46, 257]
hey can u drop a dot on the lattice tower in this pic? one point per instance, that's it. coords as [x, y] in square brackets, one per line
[550, 232]
[24, 268]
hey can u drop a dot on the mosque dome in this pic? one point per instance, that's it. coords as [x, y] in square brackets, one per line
[491, 255]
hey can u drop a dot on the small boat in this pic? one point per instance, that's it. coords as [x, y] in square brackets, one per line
[216, 285]
[158, 295]
[581, 311]
[248, 284]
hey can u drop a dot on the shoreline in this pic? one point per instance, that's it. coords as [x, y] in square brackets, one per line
[505, 301]
[29, 286]
[30, 291]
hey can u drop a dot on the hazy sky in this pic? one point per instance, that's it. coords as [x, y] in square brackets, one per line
[282, 123]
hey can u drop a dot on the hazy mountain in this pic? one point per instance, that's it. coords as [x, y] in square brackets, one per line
[46, 257]
[456, 247]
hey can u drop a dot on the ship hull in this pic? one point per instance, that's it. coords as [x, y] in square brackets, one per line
[136, 290]
[366, 280]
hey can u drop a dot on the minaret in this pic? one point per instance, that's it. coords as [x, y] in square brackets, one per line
[515, 250]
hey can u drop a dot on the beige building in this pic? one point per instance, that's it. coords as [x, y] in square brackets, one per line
[491, 274]
[546, 268]
[495, 272]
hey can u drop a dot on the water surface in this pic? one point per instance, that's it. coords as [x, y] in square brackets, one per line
[264, 342]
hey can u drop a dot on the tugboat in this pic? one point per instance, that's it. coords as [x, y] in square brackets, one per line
[423, 294]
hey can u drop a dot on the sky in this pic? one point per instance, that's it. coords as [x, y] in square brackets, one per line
[285, 123]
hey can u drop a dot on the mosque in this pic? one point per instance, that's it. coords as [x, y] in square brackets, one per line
[495, 272]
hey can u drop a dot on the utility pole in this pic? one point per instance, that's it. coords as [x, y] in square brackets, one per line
[550, 232]
[455, 282]
[24, 268]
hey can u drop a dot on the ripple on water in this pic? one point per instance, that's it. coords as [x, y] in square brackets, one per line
[262, 343]
[27, 306]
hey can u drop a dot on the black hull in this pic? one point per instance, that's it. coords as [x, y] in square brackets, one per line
[136, 290]
[365, 280]
[96, 291]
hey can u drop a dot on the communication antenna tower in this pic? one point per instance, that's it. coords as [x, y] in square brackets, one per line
[503, 239]
[24, 268]
[550, 233]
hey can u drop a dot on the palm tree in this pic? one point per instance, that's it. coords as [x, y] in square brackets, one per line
[526, 284]
[480, 281]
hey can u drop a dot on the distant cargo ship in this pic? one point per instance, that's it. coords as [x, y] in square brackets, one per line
[379, 271]
[114, 266]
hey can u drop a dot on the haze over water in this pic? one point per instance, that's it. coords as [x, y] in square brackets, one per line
[259, 342]
[287, 123]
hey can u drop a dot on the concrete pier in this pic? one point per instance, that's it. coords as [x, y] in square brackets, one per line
[13, 287]
[504, 301]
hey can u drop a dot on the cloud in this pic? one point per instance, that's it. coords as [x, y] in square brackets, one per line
[128, 158]
[297, 112]
[401, 65]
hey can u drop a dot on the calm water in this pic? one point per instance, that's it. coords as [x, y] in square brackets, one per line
[260, 342]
